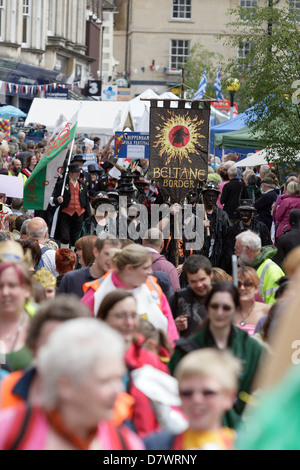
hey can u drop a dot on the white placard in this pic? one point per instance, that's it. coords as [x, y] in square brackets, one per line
[135, 151]
[12, 186]
[114, 172]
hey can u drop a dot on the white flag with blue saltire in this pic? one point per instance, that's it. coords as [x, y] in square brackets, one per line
[218, 86]
[202, 88]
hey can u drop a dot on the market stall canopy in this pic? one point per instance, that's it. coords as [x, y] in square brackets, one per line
[219, 116]
[253, 159]
[7, 112]
[138, 107]
[259, 158]
[99, 118]
[230, 125]
[242, 138]
[238, 122]
[140, 110]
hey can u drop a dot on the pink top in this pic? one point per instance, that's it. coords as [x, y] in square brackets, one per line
[88, 299]
[221, 186]
[250, 329]
[38, 437]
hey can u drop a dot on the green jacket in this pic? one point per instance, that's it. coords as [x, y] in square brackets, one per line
[242, 346]
[274, 424]
[268, 272]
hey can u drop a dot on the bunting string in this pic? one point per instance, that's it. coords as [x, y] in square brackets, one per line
[47, 88]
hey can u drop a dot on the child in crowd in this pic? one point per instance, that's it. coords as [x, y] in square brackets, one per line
[207, 383]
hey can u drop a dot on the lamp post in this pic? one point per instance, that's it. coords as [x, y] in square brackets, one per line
[232, 85]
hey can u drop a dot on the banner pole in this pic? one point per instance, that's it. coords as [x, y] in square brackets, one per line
[67, 169]
[55, 218]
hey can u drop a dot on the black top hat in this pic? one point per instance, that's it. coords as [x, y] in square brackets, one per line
[113, 193]
[142, 182]
[246, 205]
[78, 158]
[211, 186]
[107, 165]
[74, 168]
[126, 188]
[99, 199]
[94, 169]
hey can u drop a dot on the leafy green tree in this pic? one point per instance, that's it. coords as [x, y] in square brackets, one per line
[201, 59]
[268, 68]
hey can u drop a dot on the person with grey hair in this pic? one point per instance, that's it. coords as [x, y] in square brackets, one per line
[81, 369]
[23, 229]
[38, 230]
[264, 170]
[232, 194]
[21, 136]
[154, 242]
[266, 201]
[250, 253]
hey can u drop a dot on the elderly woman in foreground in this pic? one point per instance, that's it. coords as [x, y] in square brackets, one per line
[81, 369]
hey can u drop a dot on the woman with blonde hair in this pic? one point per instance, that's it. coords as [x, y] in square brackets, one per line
[219, 275]
[250, 311]
[119, 310]
[4, 150]
[132, 270]
[15, 293]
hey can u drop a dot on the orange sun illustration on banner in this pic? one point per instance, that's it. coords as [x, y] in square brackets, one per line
[179, 136]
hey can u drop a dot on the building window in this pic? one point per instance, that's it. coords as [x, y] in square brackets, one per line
[182, 9]
[248, 8]
[26, 23]
[244, 49]
[2, 19]
[294, 7]
[180, 51]
[51, 17]
[74, 21]
[13, 21]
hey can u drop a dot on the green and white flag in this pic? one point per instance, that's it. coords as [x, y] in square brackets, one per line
[39, 187]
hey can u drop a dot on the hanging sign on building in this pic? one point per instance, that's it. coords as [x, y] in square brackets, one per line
[94, 88]
[109, 93]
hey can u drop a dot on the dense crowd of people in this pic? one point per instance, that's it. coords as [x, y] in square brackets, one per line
[110, 307]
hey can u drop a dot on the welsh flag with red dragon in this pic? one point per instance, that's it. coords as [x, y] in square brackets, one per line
[40, 185]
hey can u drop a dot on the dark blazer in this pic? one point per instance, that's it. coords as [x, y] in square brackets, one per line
[285, 244]
[231, 196]
[83, 196]
[264, 207]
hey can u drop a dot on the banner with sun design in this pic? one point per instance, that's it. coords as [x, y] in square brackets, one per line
[179, 149]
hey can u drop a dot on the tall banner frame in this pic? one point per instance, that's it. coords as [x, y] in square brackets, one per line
[179, 146]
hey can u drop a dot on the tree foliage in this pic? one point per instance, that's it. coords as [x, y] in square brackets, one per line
[269, 72]
[201, 59]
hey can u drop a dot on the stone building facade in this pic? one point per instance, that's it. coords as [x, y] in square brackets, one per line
[44, 42]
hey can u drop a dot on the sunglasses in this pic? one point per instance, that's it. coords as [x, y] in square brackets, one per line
[226, 308]
[205, 393]
[245, 284]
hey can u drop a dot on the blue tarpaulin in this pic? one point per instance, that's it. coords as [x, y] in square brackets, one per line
[237, 123]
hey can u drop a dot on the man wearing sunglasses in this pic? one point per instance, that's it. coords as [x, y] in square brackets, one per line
[248, 248]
